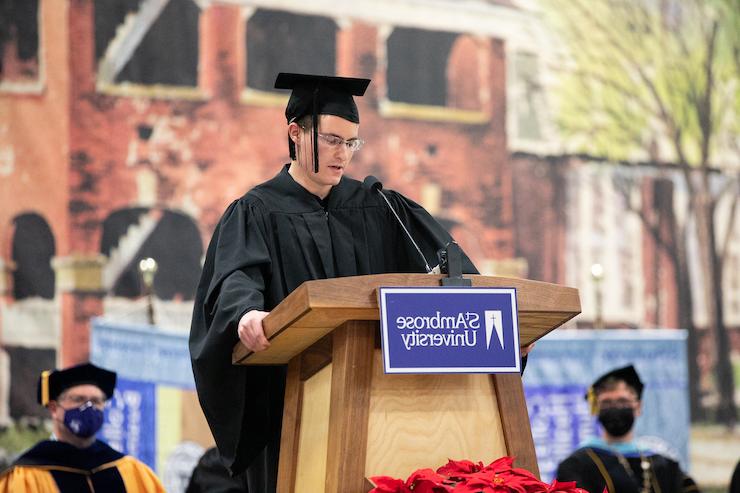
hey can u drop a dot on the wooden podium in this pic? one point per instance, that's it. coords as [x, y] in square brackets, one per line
[345, 420]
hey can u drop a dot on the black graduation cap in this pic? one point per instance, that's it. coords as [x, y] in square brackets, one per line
[320, 95]
[53, 383]
[627, 374]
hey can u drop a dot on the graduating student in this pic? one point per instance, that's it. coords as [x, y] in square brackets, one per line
[73, 461]
[614, 461]
[310, 221]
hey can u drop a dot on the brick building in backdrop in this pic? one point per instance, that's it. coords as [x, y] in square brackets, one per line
[127, 127]
[125, 133]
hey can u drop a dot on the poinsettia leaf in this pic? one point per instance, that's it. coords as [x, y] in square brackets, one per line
[387, 484]
[524, 472]
[426, 486]
[455, 467]
[465, 476]
[501, 464]
[425, 474]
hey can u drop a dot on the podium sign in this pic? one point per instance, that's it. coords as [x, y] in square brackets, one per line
[449, 330]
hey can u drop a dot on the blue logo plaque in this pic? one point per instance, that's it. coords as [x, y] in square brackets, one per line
[449, 330]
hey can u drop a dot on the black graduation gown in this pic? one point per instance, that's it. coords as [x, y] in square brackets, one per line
[594, 469]
[266, 244]
[211, 476]
[57, 466]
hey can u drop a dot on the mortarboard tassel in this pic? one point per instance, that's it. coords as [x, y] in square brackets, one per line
[45, 387]
[315, 124]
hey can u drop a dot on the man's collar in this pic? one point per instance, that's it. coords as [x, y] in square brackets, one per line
[625, 448]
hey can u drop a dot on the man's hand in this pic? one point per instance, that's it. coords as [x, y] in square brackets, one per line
[527, 349]
[251, 332]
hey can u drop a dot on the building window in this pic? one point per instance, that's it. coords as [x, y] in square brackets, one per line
[434, 75]
[147, 42]
[32, 251]
[285, 42]
[528, 96]
[417, 66]
[19, 41]
[173, 240]
[26, 364]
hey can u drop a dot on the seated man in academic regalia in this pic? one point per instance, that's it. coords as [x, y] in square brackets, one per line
[614, 462]
[73, 460]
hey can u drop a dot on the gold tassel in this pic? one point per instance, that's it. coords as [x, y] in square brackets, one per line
[45, 387]
[593, 406]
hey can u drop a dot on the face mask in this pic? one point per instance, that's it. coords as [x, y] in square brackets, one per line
[83, 421]
[617, 421]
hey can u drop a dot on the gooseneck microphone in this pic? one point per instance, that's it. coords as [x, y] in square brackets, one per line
[372, 183]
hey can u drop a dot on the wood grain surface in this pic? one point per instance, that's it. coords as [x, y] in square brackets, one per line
[422, 420]
[515, 421]
[291, 428]
[318, 307]
[313, 439]
[352, 371]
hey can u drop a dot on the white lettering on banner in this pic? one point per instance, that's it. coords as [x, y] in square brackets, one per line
[133, 405]
[113, 432]
[467, 320]
[460, 330]
[467, 338]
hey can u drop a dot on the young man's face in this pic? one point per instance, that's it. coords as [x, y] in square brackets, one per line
[621, 395]
[333, 157]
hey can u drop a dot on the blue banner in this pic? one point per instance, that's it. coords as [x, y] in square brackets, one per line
[566, 362]
[130, 420]
[148, 361]
[449, 330]
[142, 352]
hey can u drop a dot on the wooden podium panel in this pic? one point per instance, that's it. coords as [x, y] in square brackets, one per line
[419, 421]
[414, 421]
[313, 436]
[344, 419]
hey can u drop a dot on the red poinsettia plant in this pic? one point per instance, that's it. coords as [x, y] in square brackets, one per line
[464, 476]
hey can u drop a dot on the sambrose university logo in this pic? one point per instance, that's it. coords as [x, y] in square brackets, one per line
[494, 321]
[449, 330]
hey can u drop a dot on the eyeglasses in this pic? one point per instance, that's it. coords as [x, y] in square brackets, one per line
[79, 400]
[618, 403]
[334, 140]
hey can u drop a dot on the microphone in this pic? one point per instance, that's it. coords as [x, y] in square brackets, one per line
[373, 184]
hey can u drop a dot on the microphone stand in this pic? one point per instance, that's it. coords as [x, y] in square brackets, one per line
[450, 263]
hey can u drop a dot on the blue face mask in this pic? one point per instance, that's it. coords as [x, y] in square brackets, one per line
[83, 421]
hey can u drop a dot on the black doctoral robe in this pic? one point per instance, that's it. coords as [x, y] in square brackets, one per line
[266, 244]
[53, 466]
[594, 469]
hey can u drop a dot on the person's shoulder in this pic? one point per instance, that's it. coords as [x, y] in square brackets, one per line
[253, 201]
[353, 192]
[260, 193]
[270, 192]
[350, 187]
[266, 187]
[40, 453]
[667, 467]
[55, 453]
[579, 455]
[135, 471]
[27, 479]
[133, 461]
[576, 466]
[662, 461]
[351, 183]
[105, 452]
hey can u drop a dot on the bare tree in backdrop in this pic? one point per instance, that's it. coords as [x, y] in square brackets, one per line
[659, 80]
